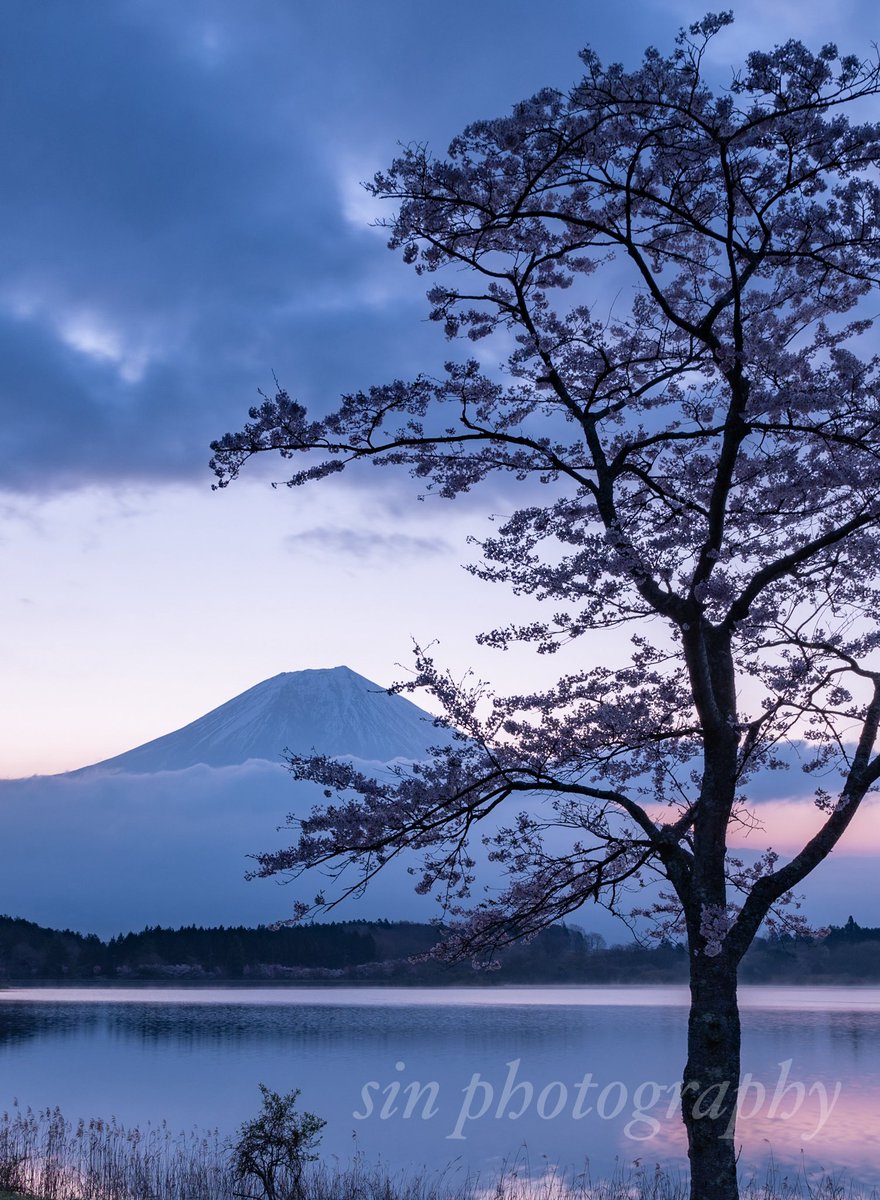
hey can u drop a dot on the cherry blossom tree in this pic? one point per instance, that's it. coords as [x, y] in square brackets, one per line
[690, 407]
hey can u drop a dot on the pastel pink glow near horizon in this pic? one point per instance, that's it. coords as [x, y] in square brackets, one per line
[787, 825]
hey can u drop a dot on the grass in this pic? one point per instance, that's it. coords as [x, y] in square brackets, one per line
[45, 1157]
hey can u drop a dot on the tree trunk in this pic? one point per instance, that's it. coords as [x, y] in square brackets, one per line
[711, 1078]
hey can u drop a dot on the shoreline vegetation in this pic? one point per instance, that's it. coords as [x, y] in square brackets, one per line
[43, 1156]
[393, 952]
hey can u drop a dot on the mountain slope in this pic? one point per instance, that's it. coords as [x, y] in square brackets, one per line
[335, 711]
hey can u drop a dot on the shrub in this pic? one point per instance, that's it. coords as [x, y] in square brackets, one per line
[272, 1149]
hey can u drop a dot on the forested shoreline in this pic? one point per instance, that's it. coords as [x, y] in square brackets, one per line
[391, 952]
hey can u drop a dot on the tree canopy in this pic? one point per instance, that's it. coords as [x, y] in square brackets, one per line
[676, 277]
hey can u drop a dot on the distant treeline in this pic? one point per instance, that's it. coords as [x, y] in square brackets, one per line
[388, 951]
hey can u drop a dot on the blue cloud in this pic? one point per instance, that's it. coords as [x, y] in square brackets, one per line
[360, 543]
[176, 224]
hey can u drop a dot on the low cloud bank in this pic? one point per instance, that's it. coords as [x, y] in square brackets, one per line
[106, 852]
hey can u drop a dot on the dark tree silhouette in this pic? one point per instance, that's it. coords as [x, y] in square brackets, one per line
[710, 455]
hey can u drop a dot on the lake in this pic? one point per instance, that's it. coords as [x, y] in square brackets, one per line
[468, 1076]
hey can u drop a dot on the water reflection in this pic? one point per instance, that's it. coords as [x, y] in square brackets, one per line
[425, 1077]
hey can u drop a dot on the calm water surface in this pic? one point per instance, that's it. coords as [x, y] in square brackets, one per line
[468, 1075]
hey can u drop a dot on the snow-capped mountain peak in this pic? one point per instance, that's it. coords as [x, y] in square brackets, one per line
[333, 710]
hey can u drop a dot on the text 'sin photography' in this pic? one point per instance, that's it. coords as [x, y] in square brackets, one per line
[642, 1108]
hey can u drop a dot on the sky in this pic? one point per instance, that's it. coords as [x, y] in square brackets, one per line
[182, 222]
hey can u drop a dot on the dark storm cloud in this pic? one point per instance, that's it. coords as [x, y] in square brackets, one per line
[173, 220]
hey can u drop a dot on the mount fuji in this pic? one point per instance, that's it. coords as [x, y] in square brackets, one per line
[162, 833]
[334, 711]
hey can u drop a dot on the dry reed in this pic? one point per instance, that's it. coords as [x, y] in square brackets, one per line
[43, 1155]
